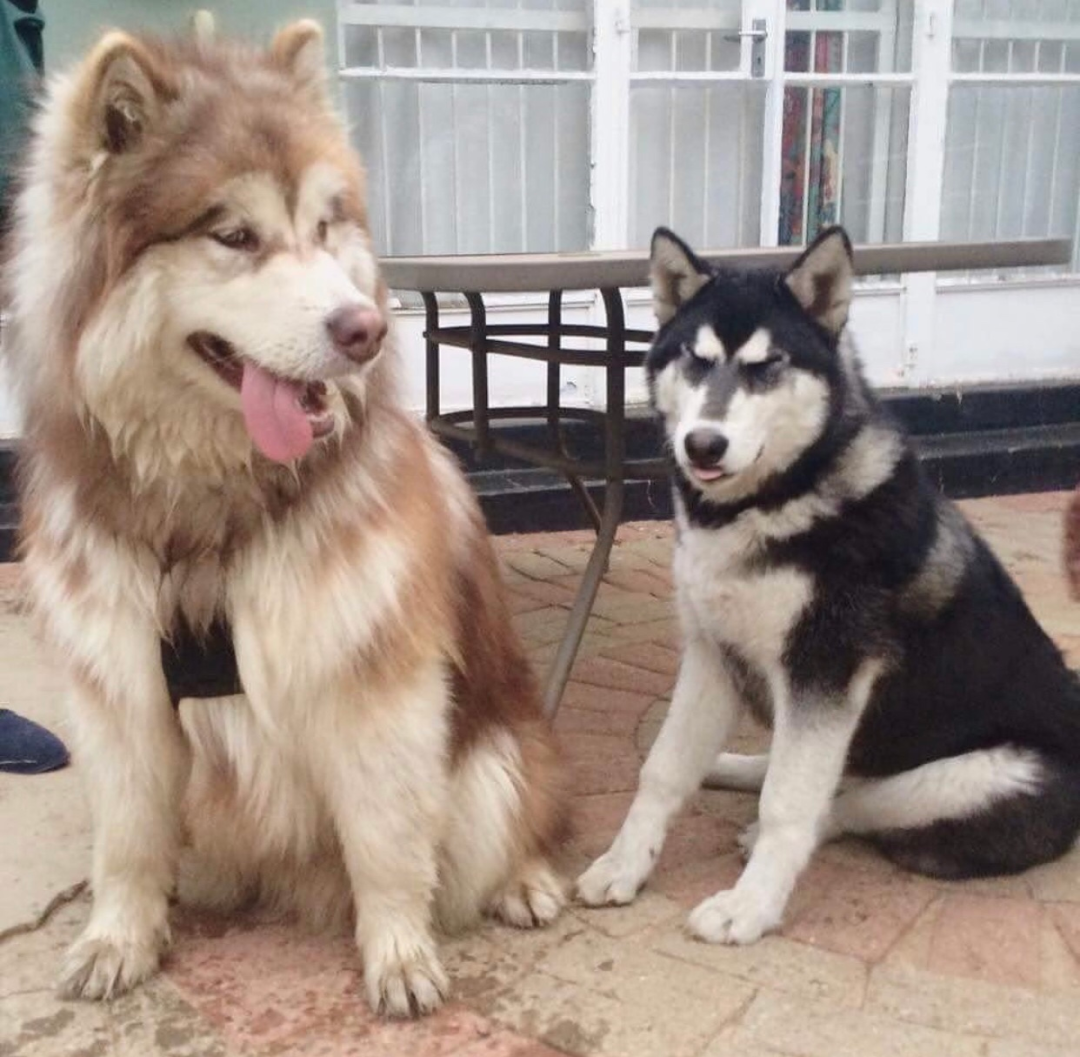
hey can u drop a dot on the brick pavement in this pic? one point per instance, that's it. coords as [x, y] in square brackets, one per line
[870, 961]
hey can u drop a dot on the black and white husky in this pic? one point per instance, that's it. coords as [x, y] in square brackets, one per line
[825, 586]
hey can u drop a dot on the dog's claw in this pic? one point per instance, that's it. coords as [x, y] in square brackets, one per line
[411, 991]
[405, 981]
[98, 967]
[532, 900]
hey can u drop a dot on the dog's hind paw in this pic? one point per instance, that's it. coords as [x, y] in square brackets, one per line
[534, 898]
[101, 967]
[732, 917]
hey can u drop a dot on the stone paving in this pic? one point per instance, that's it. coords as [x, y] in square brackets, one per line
[871, 961]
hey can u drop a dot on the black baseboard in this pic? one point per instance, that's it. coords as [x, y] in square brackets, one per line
[974, 441]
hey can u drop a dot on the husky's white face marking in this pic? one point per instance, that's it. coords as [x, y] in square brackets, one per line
[757, 348]
[767, 411]
[708, 345]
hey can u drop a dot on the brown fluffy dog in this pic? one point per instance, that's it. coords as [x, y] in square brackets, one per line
[213, 439]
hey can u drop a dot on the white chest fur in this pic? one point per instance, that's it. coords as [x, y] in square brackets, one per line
[724, 600]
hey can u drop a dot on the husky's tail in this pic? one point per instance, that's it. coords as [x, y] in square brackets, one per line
[984, 813]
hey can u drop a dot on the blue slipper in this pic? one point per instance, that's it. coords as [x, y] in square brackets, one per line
[26, 748]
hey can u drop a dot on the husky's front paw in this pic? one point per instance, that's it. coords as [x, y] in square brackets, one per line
[404, 979]
[613, 880]
[102, 966]
[733, 917]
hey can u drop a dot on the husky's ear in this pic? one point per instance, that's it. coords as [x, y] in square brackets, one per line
[821, 279]
[124, 88]
[675, 273]
[298, 51]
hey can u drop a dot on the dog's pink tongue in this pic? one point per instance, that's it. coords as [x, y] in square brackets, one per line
[273, 416]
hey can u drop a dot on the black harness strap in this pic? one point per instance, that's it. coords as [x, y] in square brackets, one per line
[200, 665]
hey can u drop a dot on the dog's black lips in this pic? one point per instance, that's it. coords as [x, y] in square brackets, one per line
[219, 354]
[226, 362]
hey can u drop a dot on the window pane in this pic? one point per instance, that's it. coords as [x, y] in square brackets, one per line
[1012, 162]
[686, 35]
[1012, 151]
[844, 160]
[654, 50]
[859, 36]
[473, 168]
[696, 162]
[1014, 36]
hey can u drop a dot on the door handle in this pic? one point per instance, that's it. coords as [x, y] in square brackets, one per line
[757, 34]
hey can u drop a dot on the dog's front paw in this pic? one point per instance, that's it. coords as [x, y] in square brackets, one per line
[102, 966]
[532, 899]
[613, 880]
[404, 979]
[733, 917]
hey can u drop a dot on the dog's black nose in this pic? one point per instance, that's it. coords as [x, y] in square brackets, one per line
[705, 447]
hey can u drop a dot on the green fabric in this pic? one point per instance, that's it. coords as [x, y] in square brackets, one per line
[22, 63]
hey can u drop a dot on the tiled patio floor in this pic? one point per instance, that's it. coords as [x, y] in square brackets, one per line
[871, 961]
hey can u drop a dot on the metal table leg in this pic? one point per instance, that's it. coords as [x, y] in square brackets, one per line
[554, 423]
[431, 355]
[614, 445]
[478, 344]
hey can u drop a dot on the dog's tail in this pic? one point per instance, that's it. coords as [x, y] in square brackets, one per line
[1018, 829]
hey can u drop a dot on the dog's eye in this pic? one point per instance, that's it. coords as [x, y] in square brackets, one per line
[321, 231]
[687, 351]
[237, 239]
[763, 368]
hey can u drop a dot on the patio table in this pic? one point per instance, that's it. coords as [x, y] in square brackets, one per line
[557, 343]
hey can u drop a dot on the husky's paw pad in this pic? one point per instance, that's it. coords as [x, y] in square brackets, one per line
[732, 917]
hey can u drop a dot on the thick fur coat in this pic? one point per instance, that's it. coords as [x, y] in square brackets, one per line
[199, 338]
[826, 587]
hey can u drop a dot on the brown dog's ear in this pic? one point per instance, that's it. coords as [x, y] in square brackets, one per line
[298, 50]
[123, 91]
[821, 279]
[675, 274]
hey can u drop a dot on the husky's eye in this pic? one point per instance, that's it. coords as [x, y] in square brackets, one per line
[242, 238]
[760, 369]
[320, 231]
